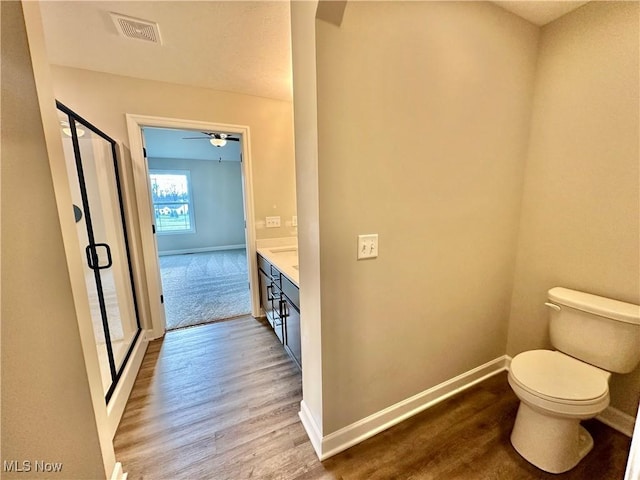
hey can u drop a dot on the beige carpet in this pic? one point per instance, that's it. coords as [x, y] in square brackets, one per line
[204, 287]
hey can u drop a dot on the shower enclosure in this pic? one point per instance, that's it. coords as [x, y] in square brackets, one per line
[92, 168]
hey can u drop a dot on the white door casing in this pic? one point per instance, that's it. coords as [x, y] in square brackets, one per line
[135, 123]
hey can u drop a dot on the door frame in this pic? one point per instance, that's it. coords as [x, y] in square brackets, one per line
[135, 123]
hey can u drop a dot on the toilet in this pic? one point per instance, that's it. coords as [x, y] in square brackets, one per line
[593, 337]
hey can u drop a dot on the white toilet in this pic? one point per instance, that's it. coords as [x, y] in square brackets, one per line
[594, 336]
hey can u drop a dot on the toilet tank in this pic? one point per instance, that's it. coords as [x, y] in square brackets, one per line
[597, 330]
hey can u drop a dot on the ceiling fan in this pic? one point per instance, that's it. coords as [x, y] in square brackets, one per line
[216, 139]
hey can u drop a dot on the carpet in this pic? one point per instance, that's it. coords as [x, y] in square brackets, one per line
[204, 287]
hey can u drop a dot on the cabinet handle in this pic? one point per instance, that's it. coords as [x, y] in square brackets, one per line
[271, 294]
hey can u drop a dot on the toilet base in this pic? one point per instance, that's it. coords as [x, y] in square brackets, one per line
[552, 444]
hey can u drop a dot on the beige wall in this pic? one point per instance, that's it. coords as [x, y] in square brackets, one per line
[47, 411]
[581, 205]
[423, 120]
[104, 99]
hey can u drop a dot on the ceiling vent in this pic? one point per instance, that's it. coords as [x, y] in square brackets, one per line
[136, 28]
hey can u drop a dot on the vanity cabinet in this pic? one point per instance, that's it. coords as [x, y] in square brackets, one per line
[280, 300]
[292, 339]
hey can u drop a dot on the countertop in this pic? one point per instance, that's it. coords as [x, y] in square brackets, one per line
[284, 258]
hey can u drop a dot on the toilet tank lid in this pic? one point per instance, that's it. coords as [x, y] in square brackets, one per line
[605, 307]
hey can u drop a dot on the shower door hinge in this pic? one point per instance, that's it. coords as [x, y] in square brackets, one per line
[161, 298]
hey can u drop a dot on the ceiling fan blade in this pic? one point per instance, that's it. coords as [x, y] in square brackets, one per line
[210, 135]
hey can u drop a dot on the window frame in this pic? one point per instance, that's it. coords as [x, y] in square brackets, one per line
[190, 203]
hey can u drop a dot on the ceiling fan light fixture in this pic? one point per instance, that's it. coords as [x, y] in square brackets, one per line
[218, 142]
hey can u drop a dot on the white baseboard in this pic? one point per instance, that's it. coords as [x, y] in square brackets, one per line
[201, 250]
[117, 473]
[312, 429]
[618, 420]
[361, 430]
[120, 396]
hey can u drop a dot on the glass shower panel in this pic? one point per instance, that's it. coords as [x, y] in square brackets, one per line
[93, 176]
[111, 261]
[81, 231]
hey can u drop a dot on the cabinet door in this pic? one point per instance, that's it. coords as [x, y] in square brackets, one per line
[292, 336]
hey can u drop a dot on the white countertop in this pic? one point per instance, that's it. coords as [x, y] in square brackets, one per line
[284, 258]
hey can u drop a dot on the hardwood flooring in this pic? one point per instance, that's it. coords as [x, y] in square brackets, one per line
[221, 401]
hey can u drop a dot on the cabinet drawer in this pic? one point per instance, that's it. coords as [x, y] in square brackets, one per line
[291, 291]
[264, 265]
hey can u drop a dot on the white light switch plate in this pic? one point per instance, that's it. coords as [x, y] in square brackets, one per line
[272, 222]
[367, 246]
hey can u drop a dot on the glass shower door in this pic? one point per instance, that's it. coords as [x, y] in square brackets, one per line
[97, 203]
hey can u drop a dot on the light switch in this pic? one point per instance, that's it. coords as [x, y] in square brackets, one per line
[272, 222]
[367, 246]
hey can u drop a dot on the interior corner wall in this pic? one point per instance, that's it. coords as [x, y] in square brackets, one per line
[47, 410]
[217, 200]
[581, 206]
[423, 121]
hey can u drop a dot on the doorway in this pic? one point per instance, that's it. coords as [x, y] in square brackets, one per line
[136, 125]
[195, 183]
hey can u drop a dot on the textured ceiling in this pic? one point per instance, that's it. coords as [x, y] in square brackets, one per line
[234, 46]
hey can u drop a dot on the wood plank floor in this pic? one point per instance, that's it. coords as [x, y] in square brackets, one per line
[221, 401]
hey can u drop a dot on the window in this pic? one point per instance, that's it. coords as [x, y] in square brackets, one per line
[171, 196]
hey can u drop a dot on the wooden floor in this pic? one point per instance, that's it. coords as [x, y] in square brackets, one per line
[221, 401]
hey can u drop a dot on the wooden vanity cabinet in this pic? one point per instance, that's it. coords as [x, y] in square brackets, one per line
[291, 306]
[280, 300]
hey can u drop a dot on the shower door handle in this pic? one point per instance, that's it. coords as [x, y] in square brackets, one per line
[92, 256]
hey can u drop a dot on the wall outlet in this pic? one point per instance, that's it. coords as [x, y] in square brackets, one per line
[367, 246]
[294, 221]
[272, 222]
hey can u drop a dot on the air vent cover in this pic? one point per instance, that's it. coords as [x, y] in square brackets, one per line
[136, 28]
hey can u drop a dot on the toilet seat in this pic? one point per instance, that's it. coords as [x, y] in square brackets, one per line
[556, 378]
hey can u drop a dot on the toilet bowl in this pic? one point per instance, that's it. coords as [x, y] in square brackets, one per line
[557, 389]
[556, 392]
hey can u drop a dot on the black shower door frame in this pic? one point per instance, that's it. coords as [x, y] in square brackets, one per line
[92, 248]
